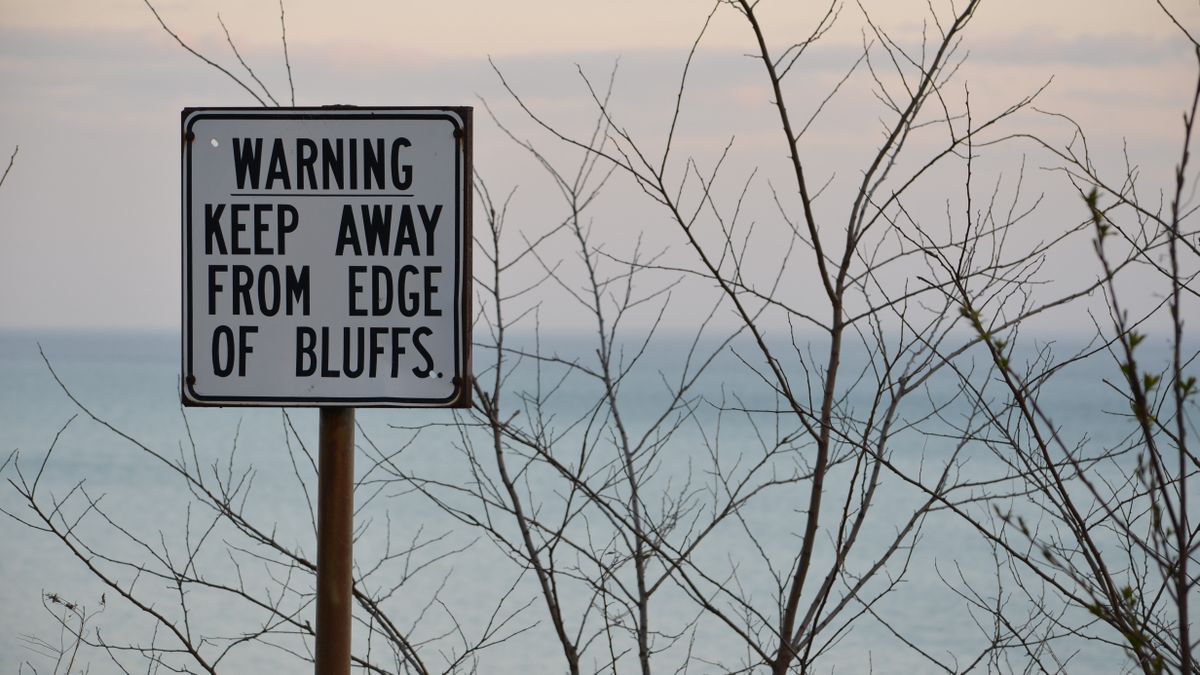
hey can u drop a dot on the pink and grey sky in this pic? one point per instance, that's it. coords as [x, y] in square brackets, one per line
[92, 89]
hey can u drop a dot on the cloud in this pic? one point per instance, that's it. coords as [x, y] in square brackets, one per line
[1099, 50]
[96, 112]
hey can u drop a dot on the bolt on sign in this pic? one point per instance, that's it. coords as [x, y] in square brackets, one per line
[326, 256]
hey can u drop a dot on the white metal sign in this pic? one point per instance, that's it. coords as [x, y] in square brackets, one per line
[326, 256]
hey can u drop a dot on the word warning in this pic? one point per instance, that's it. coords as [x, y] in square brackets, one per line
[326, 256]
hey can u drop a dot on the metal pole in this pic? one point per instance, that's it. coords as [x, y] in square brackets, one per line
[335, 530]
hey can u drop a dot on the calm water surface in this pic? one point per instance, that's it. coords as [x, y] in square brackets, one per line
[130, 380]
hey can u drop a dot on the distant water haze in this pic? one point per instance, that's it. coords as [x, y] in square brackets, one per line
[131, 380]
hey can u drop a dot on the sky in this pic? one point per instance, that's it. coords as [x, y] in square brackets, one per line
[91, 90]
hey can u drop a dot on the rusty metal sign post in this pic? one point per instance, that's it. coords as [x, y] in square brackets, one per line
[327, 263]
[335, 541]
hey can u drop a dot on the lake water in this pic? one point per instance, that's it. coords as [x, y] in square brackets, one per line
[130, 380]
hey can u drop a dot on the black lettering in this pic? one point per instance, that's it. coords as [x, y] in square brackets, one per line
[297, 289]
[381, 275]
[244, 333]
[212, 229]
[214, 286]
[222, 350]
[399, 169]
[306, 158]
[406, 232]
[278, 170]
[422, 373]
[260, 228]
[373, 162]
[355, 288]
[331, 162]
[352, 367]
[306, 357]
[430, 222]
[348, 232]
[286, 290]
[430, 289]
[326, 371]
[340, 166]
[409, 303]
[286, 225]
[268, 302]
[397, 348]
[243, 279]
[237, 226]
[376, 348]
[247, 161]
[377, 227]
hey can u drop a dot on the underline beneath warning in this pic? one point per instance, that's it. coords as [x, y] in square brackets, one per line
[341, 195]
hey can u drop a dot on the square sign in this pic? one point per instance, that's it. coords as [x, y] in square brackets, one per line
[327, 256]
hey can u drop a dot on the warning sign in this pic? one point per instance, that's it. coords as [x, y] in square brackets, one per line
[326, 256]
